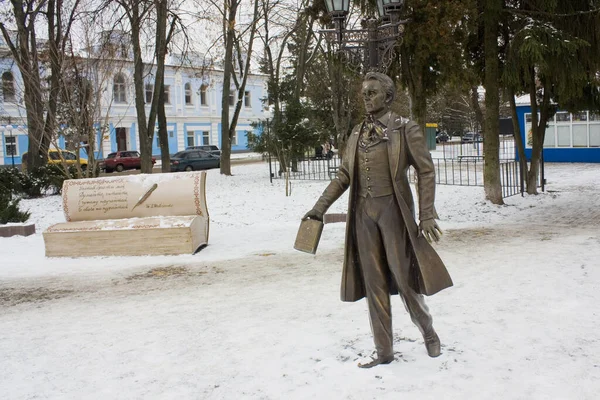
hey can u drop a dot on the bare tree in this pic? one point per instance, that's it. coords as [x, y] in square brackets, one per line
[238, 33]
[41, 100]
[160, 18]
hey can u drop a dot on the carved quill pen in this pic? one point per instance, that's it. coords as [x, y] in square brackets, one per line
[146, 195]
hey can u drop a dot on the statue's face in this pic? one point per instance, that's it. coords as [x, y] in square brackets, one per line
[374, 96]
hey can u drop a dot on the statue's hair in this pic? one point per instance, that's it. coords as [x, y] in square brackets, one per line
[386, 83]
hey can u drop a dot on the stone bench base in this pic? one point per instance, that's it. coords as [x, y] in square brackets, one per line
[13, 230]
[127, 237]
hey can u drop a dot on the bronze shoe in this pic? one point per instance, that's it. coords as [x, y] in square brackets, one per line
[378, 361]
[432, 343]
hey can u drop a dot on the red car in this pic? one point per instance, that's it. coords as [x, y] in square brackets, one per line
[122, 160]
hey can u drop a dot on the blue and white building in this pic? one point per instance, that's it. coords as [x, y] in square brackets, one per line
[570, 137]
[193, 106]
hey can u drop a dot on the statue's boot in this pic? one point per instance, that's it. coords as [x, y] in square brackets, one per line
[432, 343]
[379, 360]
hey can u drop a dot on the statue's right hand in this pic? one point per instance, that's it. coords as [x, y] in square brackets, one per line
[313, 214]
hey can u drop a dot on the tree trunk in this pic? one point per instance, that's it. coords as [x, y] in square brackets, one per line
[518, 136]
[228, 128]
[163, 135]
[161, 51]
[54, 38]
[476, 107]
[144, 134]
[538, 132]
[229, 32]
[491, 174]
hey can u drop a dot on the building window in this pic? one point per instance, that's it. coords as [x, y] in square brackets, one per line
[10, 144]
[119, 89]
[231, 99]
[234, 139]
[8, 86]
[563, 136]
[149, 89]
[247, 99]
[188, 94]
[594, 135]
[190, 138]
[205, 137]
[563, 117]
[566, 130]
[580, 116]
[167, 94]
[203, 96]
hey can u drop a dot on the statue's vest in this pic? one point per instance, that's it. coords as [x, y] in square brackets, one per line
[373, 170]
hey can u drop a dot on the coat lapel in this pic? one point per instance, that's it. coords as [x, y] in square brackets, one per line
[351, 153]
[394, 146]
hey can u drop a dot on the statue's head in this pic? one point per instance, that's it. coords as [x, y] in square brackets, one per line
[378, 92]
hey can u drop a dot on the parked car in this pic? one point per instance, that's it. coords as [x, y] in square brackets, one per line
[193, 160]
[471, 137]
[56, 156]
[468, 137]
[122, 160]
[210, 148]
[442, 137]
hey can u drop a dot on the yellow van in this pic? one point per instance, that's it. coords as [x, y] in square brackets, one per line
[56, 156]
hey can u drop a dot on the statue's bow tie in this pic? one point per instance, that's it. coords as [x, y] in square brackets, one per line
[374, 128]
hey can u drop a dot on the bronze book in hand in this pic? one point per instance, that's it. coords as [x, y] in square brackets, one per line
[308, 236]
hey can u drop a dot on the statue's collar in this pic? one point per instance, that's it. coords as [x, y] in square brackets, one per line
[383, 117]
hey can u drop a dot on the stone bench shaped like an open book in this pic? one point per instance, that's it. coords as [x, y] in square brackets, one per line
[146, 214]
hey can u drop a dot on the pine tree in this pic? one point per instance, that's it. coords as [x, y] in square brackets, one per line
[553, 55]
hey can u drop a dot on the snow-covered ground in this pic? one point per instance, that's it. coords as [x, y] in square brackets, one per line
[249, 317]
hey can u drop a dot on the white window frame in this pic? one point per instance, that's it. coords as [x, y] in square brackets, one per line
[204, 95]
[8, 86]
[247, 99]
[120, 89]
[234, 139]
[192, 135]
[167, 94]
[148, 92]
[14, 145]
[554, 126]
[188, 95]
[205, 137]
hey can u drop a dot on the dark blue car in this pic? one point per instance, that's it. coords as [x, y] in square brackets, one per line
[194, 160]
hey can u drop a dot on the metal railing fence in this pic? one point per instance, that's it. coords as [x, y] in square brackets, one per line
[460, 164]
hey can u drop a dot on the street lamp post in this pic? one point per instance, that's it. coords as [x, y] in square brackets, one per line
[373, 47]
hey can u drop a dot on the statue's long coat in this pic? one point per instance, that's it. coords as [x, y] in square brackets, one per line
[406, 147]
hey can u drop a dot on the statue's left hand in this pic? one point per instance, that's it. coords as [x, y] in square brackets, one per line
[313, 214]
[430, 229]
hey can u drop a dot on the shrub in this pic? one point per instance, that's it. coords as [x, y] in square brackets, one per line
[35, 183]
[9, 209]
[41, 181]
[9, 180]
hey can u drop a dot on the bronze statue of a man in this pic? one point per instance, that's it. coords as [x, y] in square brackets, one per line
[385, 251]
